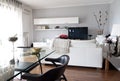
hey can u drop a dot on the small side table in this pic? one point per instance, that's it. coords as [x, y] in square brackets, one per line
[107, 63]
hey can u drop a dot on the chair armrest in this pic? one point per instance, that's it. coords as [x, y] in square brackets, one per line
[52, 59]
[31, 77]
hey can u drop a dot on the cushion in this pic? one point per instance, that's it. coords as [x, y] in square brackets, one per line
[83, 43]
[63, 36]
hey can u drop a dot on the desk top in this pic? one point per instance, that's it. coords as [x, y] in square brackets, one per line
[23, 66]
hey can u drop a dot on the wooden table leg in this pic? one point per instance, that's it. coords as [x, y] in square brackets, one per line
[106, 64]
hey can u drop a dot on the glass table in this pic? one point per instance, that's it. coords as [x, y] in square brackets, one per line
[26, 66]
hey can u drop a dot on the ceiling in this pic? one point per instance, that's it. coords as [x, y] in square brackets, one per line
[40, 4]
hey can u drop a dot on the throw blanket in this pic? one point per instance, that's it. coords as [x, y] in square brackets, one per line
[61, 45]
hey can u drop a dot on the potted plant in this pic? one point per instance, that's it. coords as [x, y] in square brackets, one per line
[101, 19]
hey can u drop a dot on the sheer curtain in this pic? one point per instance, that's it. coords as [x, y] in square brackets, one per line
[10, 24]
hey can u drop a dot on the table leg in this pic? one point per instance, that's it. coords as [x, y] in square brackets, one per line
[41, 67]
[106, 64]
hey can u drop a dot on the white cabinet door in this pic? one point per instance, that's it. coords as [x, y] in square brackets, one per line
[68, 20]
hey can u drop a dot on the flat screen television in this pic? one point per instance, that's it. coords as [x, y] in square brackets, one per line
[78, 33]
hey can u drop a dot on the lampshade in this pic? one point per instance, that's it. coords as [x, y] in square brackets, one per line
[115, 30]
[13, 39]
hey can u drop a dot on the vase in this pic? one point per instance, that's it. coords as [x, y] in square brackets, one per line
[100, 32]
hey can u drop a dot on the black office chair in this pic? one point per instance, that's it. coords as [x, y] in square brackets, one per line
[51, 75]
[58, 60]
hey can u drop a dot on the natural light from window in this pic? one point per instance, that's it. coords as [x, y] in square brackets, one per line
[10, 24]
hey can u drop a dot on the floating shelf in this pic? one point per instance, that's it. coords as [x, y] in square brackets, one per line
[49, 29]
[64, 20]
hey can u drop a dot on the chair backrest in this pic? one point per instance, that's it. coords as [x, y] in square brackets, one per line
[56, 72]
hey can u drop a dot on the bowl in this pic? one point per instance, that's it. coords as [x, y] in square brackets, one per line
[36, 50]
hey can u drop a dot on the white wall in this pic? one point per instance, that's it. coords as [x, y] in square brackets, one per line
[27, 25]
[115, 15]
[85, 14]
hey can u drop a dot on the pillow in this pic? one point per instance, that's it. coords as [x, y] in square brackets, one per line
[63, 36]
[83, 43]
[100, 39]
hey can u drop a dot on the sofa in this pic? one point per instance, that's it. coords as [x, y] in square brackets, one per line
[83, 53]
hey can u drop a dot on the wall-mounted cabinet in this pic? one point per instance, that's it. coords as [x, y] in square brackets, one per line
[67, 20]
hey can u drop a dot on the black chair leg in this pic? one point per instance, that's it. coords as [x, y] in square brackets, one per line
[63, 76]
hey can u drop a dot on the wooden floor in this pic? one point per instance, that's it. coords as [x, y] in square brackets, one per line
[85, 74]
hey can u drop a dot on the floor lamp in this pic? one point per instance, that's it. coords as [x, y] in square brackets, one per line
[13, 39]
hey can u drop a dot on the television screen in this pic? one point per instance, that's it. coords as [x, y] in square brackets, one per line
[78, 33]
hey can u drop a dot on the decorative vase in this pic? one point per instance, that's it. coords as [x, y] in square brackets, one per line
[100, 32]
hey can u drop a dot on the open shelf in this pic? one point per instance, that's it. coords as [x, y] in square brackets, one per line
[49, 29]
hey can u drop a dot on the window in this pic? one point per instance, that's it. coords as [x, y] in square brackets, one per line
[10, 24]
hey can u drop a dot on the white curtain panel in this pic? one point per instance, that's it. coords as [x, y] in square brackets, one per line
[10, 24]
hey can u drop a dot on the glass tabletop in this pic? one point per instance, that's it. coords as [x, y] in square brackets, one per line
[23, 66]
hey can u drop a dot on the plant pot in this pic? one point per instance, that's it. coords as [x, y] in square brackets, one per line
[100, 32]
